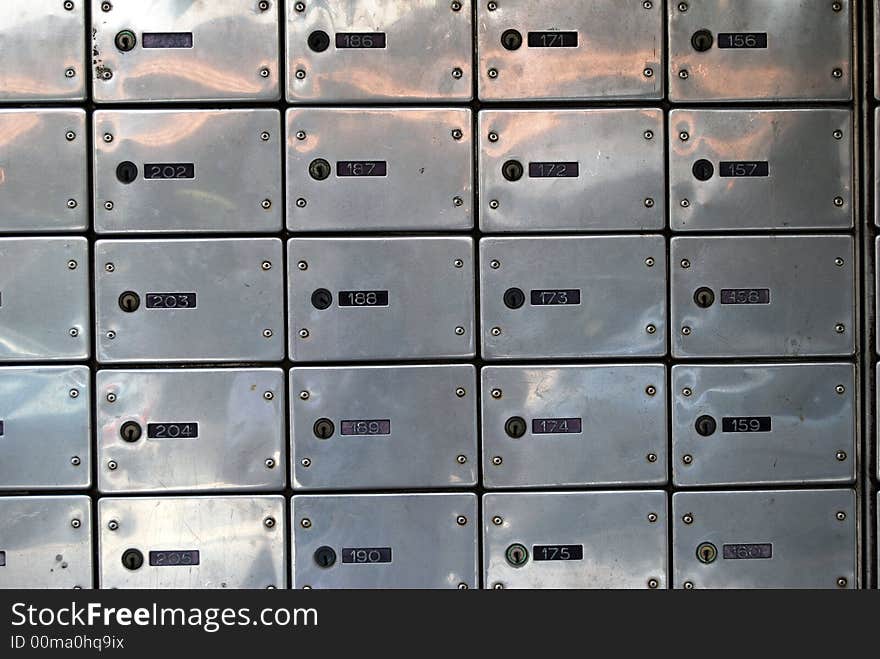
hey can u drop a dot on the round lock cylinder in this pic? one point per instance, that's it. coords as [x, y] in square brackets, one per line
[130, 431]
[324, 429]
[511, 39]
[512, 170]
[132, 559]
[319, 169]
[517, 555]
[515, 427]
[705, 426]
[704, 297]
[319, 41]
[702, 40]
[322, 299]
[126, 172]
[707, 553]
[325, 556]
[514, 298]
[129, 301]
[126, 40]
[703, 170]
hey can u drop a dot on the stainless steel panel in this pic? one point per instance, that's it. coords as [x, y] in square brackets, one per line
[44, 51]
[43, 170]
[239, 310]
[430, 298]
[45, 428]
[619, 52]
[232, 52]
[583, 425]
[427, 53]
[764, 539]
[786, 296]
[194, 430]
[46, 542]
[613, 163]
[429, 539]
[622, 284]
[806, 53]
[762, 424]
[240, 542]
[621, 537]
[234, 183]
[807, 183]
[426, 182]
[418, 427]
[44, 299]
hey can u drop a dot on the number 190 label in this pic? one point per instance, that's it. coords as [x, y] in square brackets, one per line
[362, 555]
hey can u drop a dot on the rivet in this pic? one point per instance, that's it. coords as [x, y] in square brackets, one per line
[461, 459]
[649, 203]
[304, 395]
[71, 265]
[457, 73]
[837, 73]
[303, 265]
[266, 204]
[493, 137]
[684, 136]
[687, 459]
[301, 203]
[263, 5]
[647, 4]
[838, 135]
[648, 134]
[686, 331]
[300, 7]
[304, 333]
[688, 585]
[650, 329]
[75, 461]
[458, 263]
[457, 201]
[460, 392]
[300, 135]
[839, 262]
[840, 328]
[73, 331]
[112, 465]
[111, 335]
[266, 265]
[683, 74]
[496, 331]
[269, 522]
[270, 463]
[841, 456]
[493, 73]
[112, 525]
[264, 72]
[455, 6]
[68, 5]
[840, 389]
[268, 334]
[651, 391]
[265, 136]
[682, 6]
[70, 135]
[498, 586]
[300, 74]
[836, 6]
[685, 203]
[688, 518]
[306, 523]
[459, 330]
[111, 397]
[71, 203]
[108, 205]
[841, 516]
[652, 457]
[495, 264]
[653, 583]
[268, 395]
[652, 517]
[649, 262]
[498, 520]
[648, 72]
[109, 267]
[108, 138]
[497, 460]
[107, 74]
[497, 393]
[75, 523]
[457, 133]
[494, 204]
[842, 582]
[685, 264]
[70, 73]
[492, 6]
[687, 391]
[74, 393]
[838, 201]
[462, 586]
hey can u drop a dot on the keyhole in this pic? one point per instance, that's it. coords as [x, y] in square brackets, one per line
[514, 298]
[319, 169]
[322, 299]
[512, 170]
[126, 40]
[704, 297]
[324, 429]
[130, 431]
[517, 555]
[132, 559]
[703, 170]
[511, 40]
[706, 426]
[325, 556]
[702, 40]
[515, 427]
[319, 41]
[126, 172]
[129, 301]
[707, 552]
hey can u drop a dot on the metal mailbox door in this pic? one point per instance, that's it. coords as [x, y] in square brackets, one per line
[564, 426]
[365, 299]
[764, 539]
[43, 160]
[44, 299]
[190, 430]
[188, 171]
[45, 542]
[760, 50]
[372, 169]
[563, 50]
[602, 296]
[763, 424]
[45, 428]
[575, 540]
[383, 427]
[180, 50]
[218, 300]
[736, 170]
[193, 542]
[382, 541]
[44, 51]
[572, 170]
[771, 296]
[349, 51]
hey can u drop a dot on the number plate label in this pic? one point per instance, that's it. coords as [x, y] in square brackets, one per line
[561, 297]
[553, 39]
[361, 555]
[2, 559]
[557, 426]
[742, 40]
[174, 558]
[358, 168]
[363, 298]
[167, 40]
[360, 40]
[554, 170]
[188, 430]
[366, 427]
[744, 169]
[745, 296]
[171, 300]
[747, 552]
[746, 424]
[169, 171]
[558, 552]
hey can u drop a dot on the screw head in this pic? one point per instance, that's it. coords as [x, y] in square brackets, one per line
[75, 523]
[840, 328]
[839, 262]
[72, 264]
[109, 267]
[111, 397]
[266, 204]
[73, 331]
[649, 262]
[686, 331]
[651, 329]
[687, 459]
[70, 73]
[497, 520]
[687, 391]
[651, 457]
[493, 73]
[455, 6]
[460, 392]
[651, 390]
[304, 395]
[306, 523]
[496, 331]
[652, 517]
[300, 7]
[70, 136]
[457, 133]
[75, 461]
[492, 6]
[112, 465]
[269, 522]
[458, 263]
[688, 518]
[684, 74]
[493, 136]
[837, 73]
[842, 582]
[461, 459]
[457, 201]
[838, 134]
[108, 205]
[841, 516]
[685, 264]
[496, 393]
[684, 136]
[649, 203]
[267, 333]
[497, 460]
[71, 203]
[74, 393]
[268, 395]
[266, 265]
[108, 137]
[688, 585]
[836, 6]
[113, 525]
[653, 583]
[647, 4]
[648, 72]
[495, 264]
[263, 5]
[68, 5]
[265, 72]
[270, 463]
[682, 7]
[300, 74]
[457, 73]
[841, 455]
[111, 335]
[648, 134]
[840, 389]
[300, 135]
[459, 330]
[303, 265]
[685, 203]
